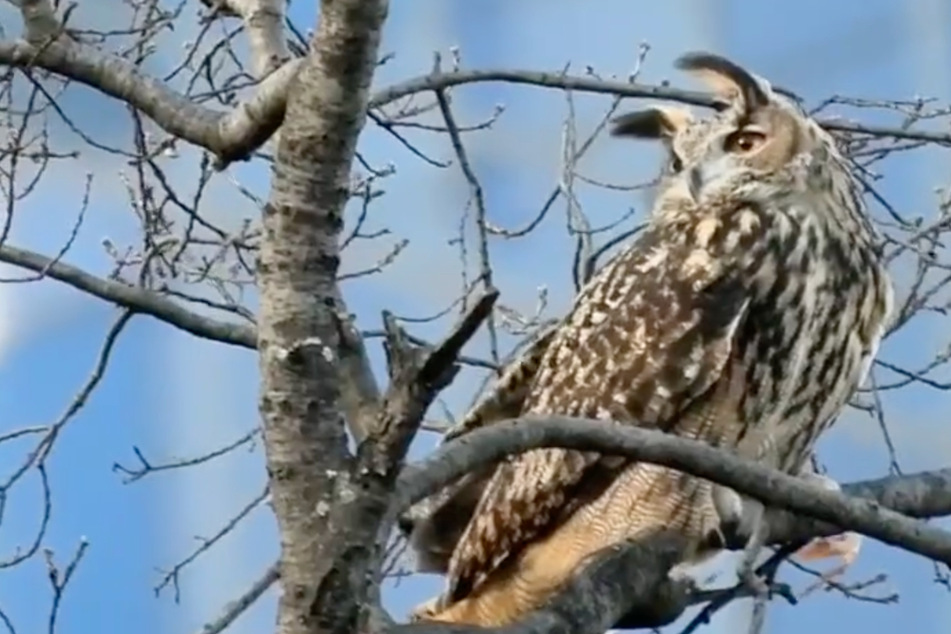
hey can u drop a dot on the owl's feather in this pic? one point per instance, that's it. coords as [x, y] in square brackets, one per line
[507, 396]
[648, 335]
[434, 525]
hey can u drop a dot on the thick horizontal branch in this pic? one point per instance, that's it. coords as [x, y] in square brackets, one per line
[140, 300]
[562, 81]
[623, 586]
[628, 585]
[773, 488]
[231, 135]
[632, 579]
[920, 495]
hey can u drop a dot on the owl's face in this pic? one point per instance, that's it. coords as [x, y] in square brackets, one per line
[758, 145]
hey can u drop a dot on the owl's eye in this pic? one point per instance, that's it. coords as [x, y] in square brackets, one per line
[743, 141]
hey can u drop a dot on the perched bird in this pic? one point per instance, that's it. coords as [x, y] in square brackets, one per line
[744, 315]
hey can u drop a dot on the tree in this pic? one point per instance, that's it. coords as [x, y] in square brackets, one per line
[336, 440]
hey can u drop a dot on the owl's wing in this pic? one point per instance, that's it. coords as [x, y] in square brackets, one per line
[650, 334]
[507, 395]
[435, 524]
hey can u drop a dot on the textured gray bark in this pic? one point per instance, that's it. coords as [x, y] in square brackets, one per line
[315, 485]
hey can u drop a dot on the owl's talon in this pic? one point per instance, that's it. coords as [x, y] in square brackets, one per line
[845, 546]
[739, 516]
[728, 504]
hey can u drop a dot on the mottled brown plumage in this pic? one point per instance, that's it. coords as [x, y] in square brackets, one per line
[435, 525]
[745, 315]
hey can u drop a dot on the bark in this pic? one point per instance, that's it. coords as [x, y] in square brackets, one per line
[315, 490]
[264, 23]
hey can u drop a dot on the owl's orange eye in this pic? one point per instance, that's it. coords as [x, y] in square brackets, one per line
[744, 141]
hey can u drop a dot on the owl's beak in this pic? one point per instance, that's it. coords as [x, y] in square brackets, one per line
[695, 181]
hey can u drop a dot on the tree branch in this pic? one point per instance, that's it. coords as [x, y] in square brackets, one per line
[632, 579]
[773, 488]
[629, 585]
[230, 135]
[264, 23]
[563, 81]
[326, 502]
[360, 395]
[235, 134]
[920, 495]
[135, 298]
[416, 378]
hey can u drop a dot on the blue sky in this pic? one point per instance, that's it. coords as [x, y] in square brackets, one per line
[174, 396]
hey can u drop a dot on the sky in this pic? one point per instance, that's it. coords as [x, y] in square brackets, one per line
[171, 395]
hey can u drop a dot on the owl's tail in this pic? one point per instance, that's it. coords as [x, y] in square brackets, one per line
[641, 500]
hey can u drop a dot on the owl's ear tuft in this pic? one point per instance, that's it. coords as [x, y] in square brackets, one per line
[726, 79]
[656, 122]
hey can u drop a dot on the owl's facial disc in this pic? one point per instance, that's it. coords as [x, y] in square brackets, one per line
[756, 132]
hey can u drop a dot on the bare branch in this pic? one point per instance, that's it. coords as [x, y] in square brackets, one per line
[478, 199]
[237, 607]
[619, 582]
[172, 576]
[560, 81]
[134, 298]
[229, 135]
[146, 467]
[264, 23]
[773, 488]
[416, 378]
[360, 393]
[59, 579]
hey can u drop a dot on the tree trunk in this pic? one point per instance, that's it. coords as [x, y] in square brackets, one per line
[300, 322]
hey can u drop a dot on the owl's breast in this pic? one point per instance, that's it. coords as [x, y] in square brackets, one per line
[809, 339]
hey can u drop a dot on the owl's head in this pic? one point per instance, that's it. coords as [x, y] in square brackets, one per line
[757, 143]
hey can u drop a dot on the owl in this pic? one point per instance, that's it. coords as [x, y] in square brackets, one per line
[744, 315]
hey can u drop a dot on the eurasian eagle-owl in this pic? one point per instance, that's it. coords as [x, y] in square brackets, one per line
[744, 315]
